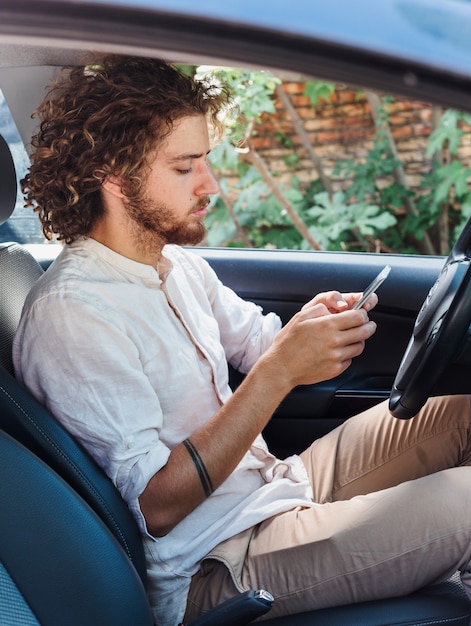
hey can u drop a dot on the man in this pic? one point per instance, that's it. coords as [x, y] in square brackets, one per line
[144, 330]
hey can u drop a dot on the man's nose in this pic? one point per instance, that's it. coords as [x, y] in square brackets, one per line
[207, 183]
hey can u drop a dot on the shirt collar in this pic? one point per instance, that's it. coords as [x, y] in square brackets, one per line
[125, 264]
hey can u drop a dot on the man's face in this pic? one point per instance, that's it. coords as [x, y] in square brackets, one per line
[176, 194]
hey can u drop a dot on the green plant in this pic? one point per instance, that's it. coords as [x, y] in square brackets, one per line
[375, 210]
[448, 182]
[336, 220]
[317, 90]
[371, 183]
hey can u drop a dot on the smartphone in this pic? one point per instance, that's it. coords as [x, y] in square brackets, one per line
[373, 286]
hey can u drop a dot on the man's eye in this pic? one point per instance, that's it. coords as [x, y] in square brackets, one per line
[180, 171]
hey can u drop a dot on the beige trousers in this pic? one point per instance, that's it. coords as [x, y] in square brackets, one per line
[394, 518]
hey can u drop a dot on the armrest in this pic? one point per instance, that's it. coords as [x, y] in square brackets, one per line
[237, 611]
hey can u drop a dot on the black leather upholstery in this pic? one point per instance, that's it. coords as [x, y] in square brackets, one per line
[445, 604]
[65, 563]
[28, 422]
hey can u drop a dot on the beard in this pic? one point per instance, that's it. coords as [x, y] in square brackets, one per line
[154, 224]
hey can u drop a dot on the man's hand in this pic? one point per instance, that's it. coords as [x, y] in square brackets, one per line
[316, 345]
[337, 302]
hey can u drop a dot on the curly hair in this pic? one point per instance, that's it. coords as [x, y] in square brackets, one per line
[106, 118]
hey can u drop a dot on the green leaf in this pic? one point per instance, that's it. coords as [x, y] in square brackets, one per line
[220, 226]
[447, 133]
[224, 155]
[455, 174]
[317, 90]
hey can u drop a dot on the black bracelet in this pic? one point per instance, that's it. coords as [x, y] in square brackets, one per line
[200, 467]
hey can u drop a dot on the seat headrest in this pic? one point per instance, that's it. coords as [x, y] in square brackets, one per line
[8, 185]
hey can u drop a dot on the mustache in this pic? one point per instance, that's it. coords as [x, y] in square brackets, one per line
[202, 202]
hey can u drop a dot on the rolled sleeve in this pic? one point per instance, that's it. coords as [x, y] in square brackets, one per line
[138, 477]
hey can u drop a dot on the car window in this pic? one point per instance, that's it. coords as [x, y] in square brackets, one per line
[334, 167]
[23, 226]
[309, 164]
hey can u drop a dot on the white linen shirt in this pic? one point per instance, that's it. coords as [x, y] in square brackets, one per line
[132, 365]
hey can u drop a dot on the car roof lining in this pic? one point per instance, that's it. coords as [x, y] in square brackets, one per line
[30, 54]
[26, 70]
[20, 85]
[13, 54]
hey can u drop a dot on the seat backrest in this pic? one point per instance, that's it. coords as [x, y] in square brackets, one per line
[8, 184]
[12, 255]
[28, 421]
[18, 272]
[59, 564]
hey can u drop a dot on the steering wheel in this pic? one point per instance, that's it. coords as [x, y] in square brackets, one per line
[439, 332]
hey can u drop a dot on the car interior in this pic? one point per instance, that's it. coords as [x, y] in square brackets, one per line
[70, 550]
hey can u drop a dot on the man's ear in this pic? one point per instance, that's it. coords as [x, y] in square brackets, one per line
[113, 185]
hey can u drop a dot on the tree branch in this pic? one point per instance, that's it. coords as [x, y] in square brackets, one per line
[425, 246]
[443, 217]
[230, 209]
[252, 155]
[299, 128]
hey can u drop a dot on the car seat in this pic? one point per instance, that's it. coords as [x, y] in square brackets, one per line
[66, 535]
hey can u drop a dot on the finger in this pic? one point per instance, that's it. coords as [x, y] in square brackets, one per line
[333, 300]
[336, 302]
[352, 297]
[370, 303]
[354, 341]
[332, 324]
[359, 334]
[313, 310]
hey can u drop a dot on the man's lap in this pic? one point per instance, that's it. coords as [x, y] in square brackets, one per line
[374, 450]
[382, 544]
[400, 536]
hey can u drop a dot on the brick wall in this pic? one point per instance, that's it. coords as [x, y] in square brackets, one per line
[342, 128]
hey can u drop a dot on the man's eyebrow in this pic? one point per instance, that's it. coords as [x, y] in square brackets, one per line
[186, 156]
